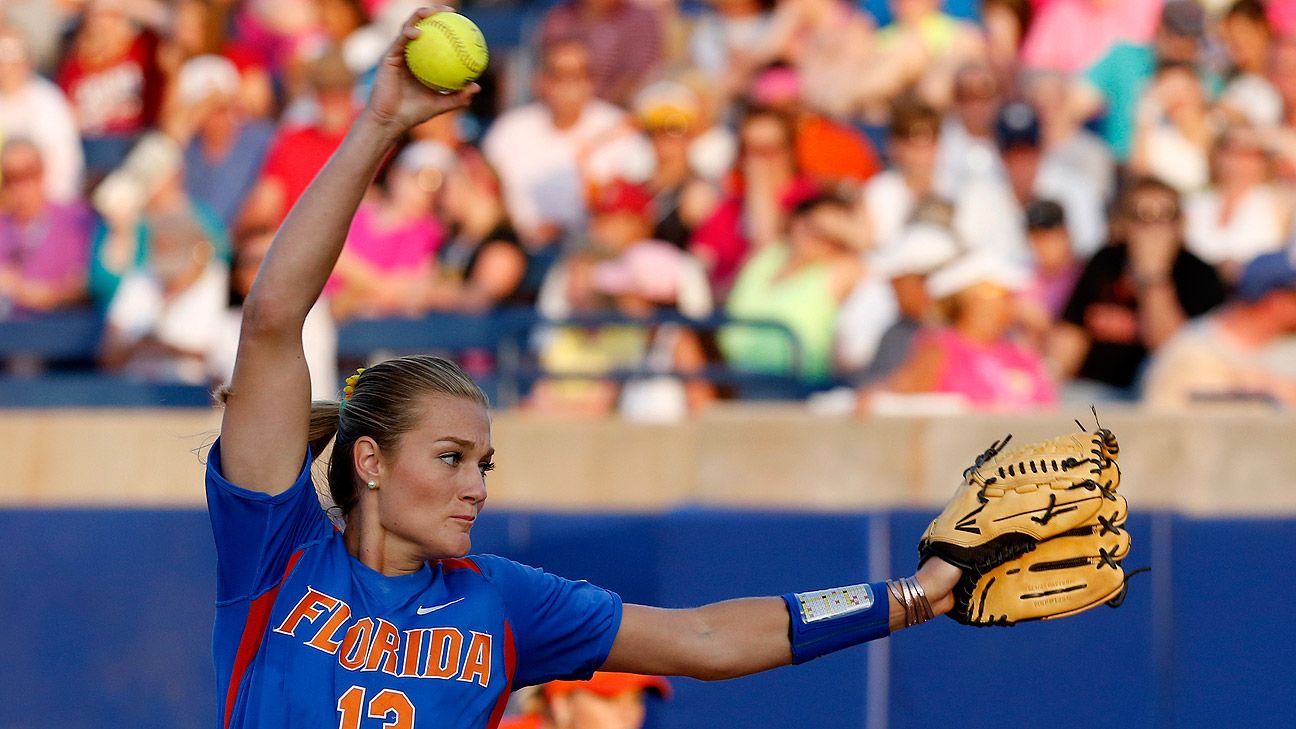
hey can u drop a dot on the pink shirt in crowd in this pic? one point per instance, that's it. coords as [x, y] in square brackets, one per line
[390, 250]
[998, 376]
[1071, 35]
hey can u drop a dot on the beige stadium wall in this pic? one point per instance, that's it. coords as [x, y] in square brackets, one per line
[739, 456]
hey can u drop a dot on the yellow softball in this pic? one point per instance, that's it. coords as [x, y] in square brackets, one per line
[449, 53]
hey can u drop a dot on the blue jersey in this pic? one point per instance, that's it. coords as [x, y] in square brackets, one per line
[307, 636]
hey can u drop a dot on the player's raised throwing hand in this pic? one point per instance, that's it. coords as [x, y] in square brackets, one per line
[401, 101]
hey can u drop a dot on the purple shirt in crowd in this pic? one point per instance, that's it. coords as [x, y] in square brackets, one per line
[52, 248]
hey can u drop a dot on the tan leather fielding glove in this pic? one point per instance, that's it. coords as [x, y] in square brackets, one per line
[1038, 531]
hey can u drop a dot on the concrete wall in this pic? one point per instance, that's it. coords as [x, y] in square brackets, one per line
[745, 456]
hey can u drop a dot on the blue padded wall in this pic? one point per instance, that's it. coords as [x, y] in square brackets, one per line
[109, 615]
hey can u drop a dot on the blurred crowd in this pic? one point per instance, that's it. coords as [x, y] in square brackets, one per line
[1045, 202]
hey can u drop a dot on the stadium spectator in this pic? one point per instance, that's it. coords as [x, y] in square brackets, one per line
[1248, 97]
[1132, 297]
[297, 152]
[148, 185]
[920, 50]
[551, 152]
[223, 149]
[44, 245]
[605, 701]
[1222, 357]
[111, 77]
[624, 273]
[874, 340]
[689, 158]
[830, 154]
[1071, 35]
[723, 36]
[1242, 214]
[1070, 150]
[648, 278]
[888, 198]
[966, 149]
[1174, 131]
[1111, 87]
[623, 39]
[827, 42]
[194, 29]
[483, 263]
[1055, 270]
[278, 32]
[33, 108]
[389, 260]
[164, 316]
[800, 283]
[1005, 24]
[43, 24]
[767, 183]
[319, 334]
[976, 356]
[990, 211]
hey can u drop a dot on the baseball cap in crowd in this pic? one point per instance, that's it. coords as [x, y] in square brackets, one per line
[1267, 273]
[668, 105]
[1017, 126]
[1044, 215]
[620, 196]
[975, 268]
[611, 684]
[202, 76]
[1184, 18]
[651, 269]
[776, 86]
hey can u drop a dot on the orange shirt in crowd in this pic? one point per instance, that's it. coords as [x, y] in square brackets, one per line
[828, 151]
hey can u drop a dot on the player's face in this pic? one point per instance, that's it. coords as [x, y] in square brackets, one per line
[434, 485]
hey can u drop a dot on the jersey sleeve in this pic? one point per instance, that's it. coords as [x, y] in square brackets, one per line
[561, 629]
[256, 533]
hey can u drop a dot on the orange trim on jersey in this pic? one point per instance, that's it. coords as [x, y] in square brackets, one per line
[254, 629]
[462, 563]
[510, 665]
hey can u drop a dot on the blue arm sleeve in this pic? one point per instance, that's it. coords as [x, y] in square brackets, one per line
[562, 629]
[256, 533]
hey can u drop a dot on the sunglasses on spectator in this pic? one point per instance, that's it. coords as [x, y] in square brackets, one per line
[1152, 213]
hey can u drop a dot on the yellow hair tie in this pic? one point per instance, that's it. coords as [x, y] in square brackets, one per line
[349, 390]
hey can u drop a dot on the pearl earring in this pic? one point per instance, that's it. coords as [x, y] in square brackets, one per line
[372, 484]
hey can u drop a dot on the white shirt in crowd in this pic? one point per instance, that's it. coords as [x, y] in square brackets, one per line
[1257, 225]
[888, 202]
[545, 171]
[39, 112]
[962, 159]
[987, 214]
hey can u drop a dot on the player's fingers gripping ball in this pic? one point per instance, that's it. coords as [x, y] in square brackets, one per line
[1039, 531]
[449, 53]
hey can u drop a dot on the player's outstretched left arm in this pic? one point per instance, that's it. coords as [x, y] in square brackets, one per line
[740, 637]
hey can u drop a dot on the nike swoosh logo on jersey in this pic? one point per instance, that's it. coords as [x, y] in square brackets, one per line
[434, 608]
